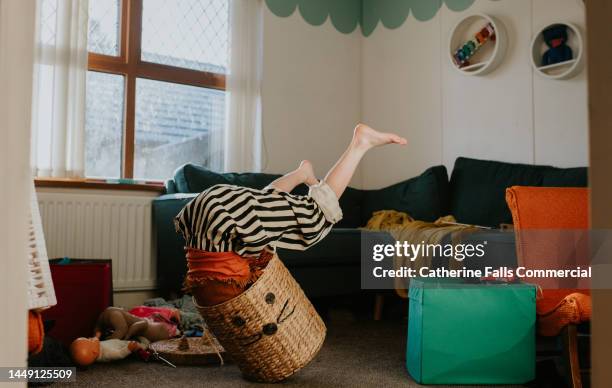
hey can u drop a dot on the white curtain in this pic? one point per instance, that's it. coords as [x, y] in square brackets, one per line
[60, 70]
[243, 130]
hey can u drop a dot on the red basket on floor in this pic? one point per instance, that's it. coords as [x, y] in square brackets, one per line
[84, 288]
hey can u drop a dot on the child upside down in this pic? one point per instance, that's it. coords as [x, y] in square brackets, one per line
[232, 232]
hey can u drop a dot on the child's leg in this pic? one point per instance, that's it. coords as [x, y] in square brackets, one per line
[364, 138]
[303, 174]
[338, 178]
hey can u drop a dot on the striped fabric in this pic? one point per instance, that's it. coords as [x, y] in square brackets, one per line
[228, 218]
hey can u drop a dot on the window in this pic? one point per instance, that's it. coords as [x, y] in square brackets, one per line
[155, 86]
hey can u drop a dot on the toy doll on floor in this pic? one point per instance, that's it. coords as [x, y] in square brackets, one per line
[232, 232]
[114, 336]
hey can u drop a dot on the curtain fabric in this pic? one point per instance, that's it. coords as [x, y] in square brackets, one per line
[60, 70]
[243, 131]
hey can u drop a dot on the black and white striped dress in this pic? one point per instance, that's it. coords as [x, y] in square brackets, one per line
[246, 221]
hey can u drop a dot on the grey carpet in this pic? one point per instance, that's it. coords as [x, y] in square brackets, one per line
[355, 354]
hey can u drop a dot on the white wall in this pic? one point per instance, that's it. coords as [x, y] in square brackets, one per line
[16, 58]
[511, 114]
[401, 93]
[560, 114]
[311, 92]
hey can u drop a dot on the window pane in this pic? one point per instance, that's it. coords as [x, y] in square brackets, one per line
[48, 21]
[176, 124]
[104, 27]
[188, 33]
[103, 124]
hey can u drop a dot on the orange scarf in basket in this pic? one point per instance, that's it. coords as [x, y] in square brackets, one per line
[220, 266]
[215, 277]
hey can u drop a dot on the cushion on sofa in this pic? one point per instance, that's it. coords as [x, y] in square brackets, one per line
[424, 197]
[170, 186]
[191, 178]
[478, 187]
[351, 203]
[565, 177]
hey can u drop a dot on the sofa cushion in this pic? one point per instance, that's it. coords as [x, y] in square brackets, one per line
[565, 177]
[351, 203]
[191, 178]
[478, 187]
[170, 186]
[424, 197]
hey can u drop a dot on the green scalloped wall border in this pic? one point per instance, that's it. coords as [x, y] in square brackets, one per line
[346, 15]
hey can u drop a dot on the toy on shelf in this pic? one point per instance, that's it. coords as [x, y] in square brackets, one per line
[557, 51]
[471, 47]
[556, 38]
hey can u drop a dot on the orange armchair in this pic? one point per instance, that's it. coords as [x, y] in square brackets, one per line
[551, 226]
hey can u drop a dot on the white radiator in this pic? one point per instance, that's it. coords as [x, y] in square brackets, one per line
[83, 225]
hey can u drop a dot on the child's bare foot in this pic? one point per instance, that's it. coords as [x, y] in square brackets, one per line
[308, 173]
[367, 137]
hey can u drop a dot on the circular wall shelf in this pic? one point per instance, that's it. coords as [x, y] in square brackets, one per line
[487, 55]
[562, 70]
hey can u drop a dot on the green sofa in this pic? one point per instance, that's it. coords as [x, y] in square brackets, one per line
[474, 194]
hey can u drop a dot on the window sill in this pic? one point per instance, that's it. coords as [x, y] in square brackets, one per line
[98, 184]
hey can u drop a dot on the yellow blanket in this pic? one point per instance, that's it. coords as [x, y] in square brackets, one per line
[404, 228]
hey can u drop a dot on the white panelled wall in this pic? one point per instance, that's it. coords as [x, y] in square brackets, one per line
[319, 82]
[510, 114]
[311, 94]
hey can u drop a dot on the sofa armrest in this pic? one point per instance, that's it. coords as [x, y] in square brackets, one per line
[171, 265]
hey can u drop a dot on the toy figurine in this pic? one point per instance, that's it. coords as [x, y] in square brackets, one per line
[556, 39]
[116, 323]
[85, 351]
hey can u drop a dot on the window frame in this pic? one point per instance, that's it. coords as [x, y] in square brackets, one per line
[130, 65]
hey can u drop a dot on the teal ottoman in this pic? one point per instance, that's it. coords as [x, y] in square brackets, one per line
[460, 333]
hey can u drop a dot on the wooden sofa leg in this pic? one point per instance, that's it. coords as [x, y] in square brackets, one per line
[570, 354]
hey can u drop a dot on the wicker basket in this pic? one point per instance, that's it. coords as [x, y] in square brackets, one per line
[271, 330]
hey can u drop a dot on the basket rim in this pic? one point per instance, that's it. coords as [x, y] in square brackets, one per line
[274, 262]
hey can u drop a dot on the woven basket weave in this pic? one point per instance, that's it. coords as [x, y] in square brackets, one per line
[271, 330]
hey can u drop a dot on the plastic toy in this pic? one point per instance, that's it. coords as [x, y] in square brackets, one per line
[556, 39]
[471, 47]
[86, 351]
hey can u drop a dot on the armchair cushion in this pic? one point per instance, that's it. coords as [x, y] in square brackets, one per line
[551, 226]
